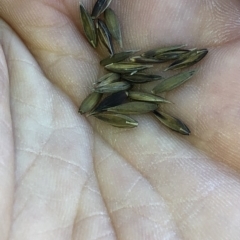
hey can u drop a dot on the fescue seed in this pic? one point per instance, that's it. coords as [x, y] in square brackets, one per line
[90, 102]
[172, 122]
[139, 59]
[134, 108]
[154, 52]
[188, 59]
[117, 57]
[105, 36]
[146, 97]
[141, 77]
[171, 55]
[99, 7]
[117, 120]
[172, 82]
[113, 25]
[126, 67]
[113, 87]
[107, 79]
[110, 101]
[88, 26]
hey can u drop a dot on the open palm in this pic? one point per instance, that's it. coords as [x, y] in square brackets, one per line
[65, 176]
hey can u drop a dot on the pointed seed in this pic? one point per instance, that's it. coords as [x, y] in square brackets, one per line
[107, 79]
[88, 26]
[133, 108]
[113, 25]
[172, 82]
[117, 120]
[126, 67]
[146, 97]
[141, 77]
[172, 122]
[113, 87]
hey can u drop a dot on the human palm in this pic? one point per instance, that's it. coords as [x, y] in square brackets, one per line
[65, 176]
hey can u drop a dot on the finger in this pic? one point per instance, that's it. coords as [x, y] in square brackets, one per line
[53, 152]
[6, 148]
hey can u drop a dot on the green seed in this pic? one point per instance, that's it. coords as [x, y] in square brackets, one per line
[117, 120]
[171, 122]
[139, 59]
[100, 7]
[117, 57]
[107, 79]
[188, 59]
[88, 26]
[146, 97]
[126, 67]
[172, 82]
[105, 36]
[113, 87]
[90, 102]
[113, 25]
[154, 52]
[171, 55]
[141, 77]
[134, 108]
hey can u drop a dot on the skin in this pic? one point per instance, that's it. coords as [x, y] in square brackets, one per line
[65, 176]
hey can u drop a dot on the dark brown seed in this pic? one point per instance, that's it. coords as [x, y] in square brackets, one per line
[105, 36]
[113, 87]
[107, 79]
[146, 97]
[139, 59]
[141, 77]
[188, 59]
[126, 67]
[171, 122]
[172, 82]
[154, 52]
[113, 25]
[134, 108]
[100, 7]
[117, 57]
[88, 26]
[117, 120]
[110, 101]
[90, 102]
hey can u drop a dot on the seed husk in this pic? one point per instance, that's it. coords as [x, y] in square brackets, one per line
[90, 102]
[154, 52]
[126, 67]
[105, 36]
[110, 101]
[139, 59]
[113, 87]
[146, 97]
[172, 82]
[117, 120]
[113, 25]
[141, 77]
[99, 7]
[133, 108]
[117, 57]
[88, 26]
[107, 79]
[172, 122]
[171, 55]
[188, 59]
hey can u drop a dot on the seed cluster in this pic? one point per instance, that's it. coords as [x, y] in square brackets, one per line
[113, 97]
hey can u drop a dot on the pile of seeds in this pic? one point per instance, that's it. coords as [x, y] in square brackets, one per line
[113, 97]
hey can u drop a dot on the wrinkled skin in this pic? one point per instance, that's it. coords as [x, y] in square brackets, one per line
[65, 176]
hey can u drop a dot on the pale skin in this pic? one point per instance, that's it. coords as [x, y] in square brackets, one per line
[65, 176]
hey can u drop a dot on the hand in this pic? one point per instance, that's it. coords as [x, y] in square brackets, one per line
[65, 176]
